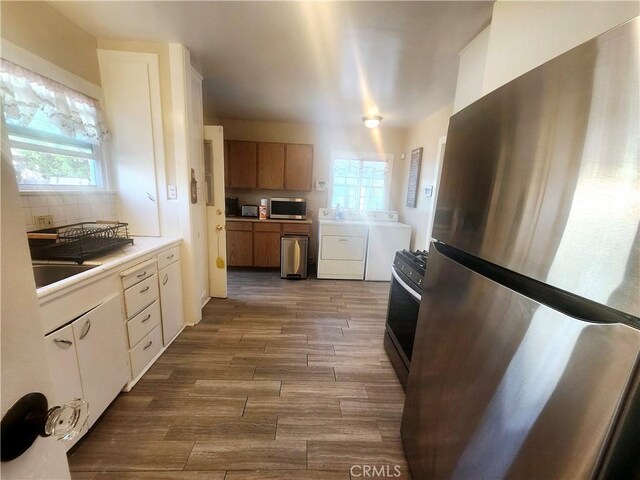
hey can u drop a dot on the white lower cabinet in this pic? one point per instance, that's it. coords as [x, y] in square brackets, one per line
[65, 373]
[101, 345]
[88, 359]
[171, 301]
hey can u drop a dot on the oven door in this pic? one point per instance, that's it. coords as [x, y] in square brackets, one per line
[402, 316]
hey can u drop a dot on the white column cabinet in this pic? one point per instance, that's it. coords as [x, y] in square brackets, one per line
[131, 85]
[101, 344]
[170, 279]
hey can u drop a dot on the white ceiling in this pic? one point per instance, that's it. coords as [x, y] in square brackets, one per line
[324, 62]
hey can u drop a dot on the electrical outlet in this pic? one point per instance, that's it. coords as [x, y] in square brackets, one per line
[172, 193]
[43, 221]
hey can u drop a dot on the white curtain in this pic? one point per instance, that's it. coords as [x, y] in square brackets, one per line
[27, 97]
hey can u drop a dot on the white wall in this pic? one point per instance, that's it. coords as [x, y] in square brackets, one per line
[425, 134]
[68, 207]
[525, 35]
[473, 59]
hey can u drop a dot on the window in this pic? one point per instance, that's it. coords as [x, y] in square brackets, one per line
[361, 181]
[55, 133]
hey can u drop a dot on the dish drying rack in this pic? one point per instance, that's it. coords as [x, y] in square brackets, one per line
[79, 241]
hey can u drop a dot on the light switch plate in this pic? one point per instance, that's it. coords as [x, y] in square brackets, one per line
[428, 190]
[172, 193]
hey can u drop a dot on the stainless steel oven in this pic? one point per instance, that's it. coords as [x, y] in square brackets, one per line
[402, 314]
[288, 208]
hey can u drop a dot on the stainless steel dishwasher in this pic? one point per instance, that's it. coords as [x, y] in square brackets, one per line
[293, 256]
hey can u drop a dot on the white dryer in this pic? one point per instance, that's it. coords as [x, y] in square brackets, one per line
[386, 237]
[342, 245]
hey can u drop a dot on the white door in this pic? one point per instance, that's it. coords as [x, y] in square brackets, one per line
[171, 301]
[24, 368]
[198, 210]
[216, 219]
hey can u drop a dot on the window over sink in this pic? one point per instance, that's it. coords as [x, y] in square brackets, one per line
[56, 134]
[361, 181]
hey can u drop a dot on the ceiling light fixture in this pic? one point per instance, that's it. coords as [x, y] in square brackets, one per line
[372, 121]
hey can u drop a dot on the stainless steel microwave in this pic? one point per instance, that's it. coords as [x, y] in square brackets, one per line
[291, 208]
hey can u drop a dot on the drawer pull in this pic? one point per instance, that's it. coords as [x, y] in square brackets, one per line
[165, 279]
[145, 290]
[343, 240]
[142, 274]
[146, 318]
[87, 327]
[146, 347]
[170, 257]
[59, 341]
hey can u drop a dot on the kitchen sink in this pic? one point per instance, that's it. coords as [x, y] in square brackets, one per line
[48, 274]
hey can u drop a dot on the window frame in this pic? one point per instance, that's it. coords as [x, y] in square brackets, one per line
[45, 68]
[98, 155]
[387, 158]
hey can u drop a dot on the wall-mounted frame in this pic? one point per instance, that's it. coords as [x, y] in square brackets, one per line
[414, 177]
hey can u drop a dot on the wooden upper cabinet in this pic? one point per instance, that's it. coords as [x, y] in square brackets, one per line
[298, 172]
[242, 164]
[271, 165]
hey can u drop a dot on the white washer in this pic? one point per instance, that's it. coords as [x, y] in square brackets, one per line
[386, 237]
[342, 245]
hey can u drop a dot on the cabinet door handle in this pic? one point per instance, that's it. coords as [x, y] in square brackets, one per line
[146, 347]
[87, 327]
[144, 290]
[59, 341]
[142, 274]
[146, 318]
[165, 279]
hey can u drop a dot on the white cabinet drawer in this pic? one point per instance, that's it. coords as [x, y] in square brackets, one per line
[168, 257]
[143, 323]
[141, 295]
[144, 352]
[138, 273]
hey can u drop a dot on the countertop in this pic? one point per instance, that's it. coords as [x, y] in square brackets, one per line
[141, 247]
[269, 220]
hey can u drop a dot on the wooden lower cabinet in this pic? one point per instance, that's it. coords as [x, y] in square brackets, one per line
[257, 244]
[239, 248]
[266, 249]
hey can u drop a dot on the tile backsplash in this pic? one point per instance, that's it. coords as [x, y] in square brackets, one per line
[68, 207]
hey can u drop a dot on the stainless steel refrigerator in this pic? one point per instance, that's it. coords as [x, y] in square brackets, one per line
[526, 357]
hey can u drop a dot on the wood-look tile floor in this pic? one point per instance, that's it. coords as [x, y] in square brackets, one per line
[282, 380]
